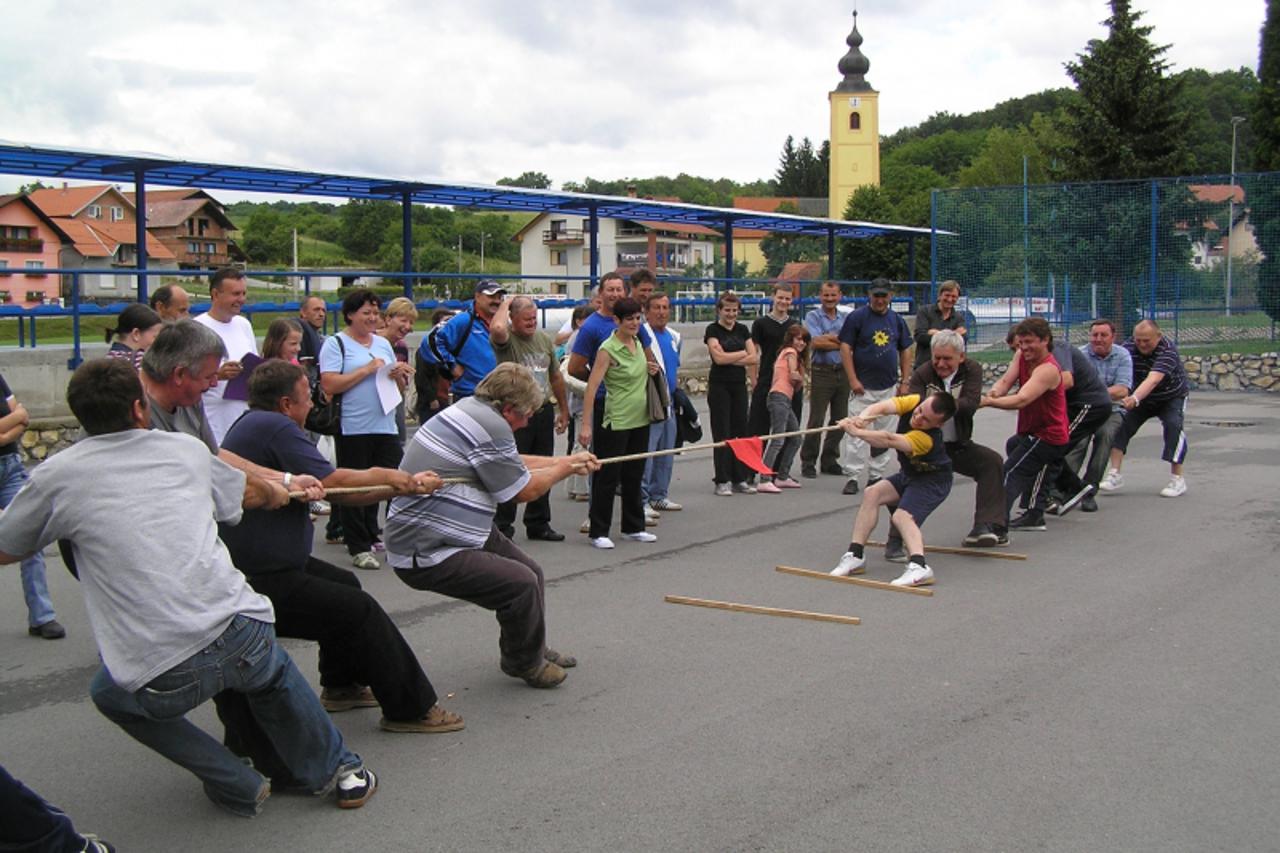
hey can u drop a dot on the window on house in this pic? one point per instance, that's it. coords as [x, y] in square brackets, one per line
[95, 211]
[5, 299]
[191, 227]
[34, 265]
[117, 213]
[586, 257]
[193, 247]
[855, 121]
[35, 296]
[559, 258]
[202, 225]
[211, 248]
[4, 267]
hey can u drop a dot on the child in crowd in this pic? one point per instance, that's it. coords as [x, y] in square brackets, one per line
[788, 377]
[283, 340]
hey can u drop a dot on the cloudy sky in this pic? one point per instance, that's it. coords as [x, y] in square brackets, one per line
[477, 90]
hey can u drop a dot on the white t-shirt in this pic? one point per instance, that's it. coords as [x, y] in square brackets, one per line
[238, 337]
[140, 507]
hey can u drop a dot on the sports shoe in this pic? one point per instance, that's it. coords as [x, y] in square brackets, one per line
[94, 844]
[1089, 505]
[665, 505]
[586, 526]
[339, 539]
[833, 469]
[850, 488]
[981, 536]
[849, 565]
[355, 788]
[603, 542]
[436, 721]
[809, 473]
[744, 488]
[723, 490]
[651, 517]
[1113, 481]
[787, 483]
[366, 560]
[768, 487]
[642, 536]
[915, 575]
[894, 551]
[377, 547]
[51, 630]
[320, 508]
[1053, 507]
[1075, 500]
[336, 699]
[1029, 520]
[1177, 487]
[542, 676]
[1002, 536]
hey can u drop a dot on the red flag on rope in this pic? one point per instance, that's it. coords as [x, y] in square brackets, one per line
[750, 452]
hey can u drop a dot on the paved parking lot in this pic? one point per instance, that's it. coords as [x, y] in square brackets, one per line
[1116, 691]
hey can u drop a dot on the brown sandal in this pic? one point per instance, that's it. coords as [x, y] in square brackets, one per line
[437, 721]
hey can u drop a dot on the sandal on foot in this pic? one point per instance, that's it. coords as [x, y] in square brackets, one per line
[437, 720]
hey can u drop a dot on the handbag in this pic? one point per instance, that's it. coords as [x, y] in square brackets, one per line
[659, 401]
[325, 417]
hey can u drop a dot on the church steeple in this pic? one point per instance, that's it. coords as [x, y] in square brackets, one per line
[853, 65]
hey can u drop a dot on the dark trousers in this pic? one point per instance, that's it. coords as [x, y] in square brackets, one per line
[727, 402]
[604, 483]
[985, 466]
[760, 419]
[360, 452]
[28, 823]
[536, 439]
[1026, 463]
[500, 577]
[1170, 413]
[1099, 455]
[1085, 421]
[359, 645]
[828, 388]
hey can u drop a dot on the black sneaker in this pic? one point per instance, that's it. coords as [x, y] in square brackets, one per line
[850, 488]
[355, 789]
[1075, 500]
[1054, 507]
[982, 536]
[833, 469]
[895, 551]
[1029, 520]
[809, 473]
[1002, 536]
[1089, 505]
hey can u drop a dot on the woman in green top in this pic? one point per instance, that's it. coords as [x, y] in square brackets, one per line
[622, 367]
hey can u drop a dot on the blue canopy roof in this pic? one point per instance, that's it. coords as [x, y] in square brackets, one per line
[51, 162]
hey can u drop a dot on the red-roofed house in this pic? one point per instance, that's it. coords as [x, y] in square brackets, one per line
[99, 231]
[193, 227]
[29, 240]
[1212, 250]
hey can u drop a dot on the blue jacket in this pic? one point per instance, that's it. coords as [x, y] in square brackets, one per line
[474, 352]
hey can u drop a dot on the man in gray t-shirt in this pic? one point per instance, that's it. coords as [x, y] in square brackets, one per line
[447, 542]
[174, 621]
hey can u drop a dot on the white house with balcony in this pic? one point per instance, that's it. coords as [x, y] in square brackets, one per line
[559, 246]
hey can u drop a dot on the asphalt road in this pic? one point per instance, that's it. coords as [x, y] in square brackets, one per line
[1116, 691]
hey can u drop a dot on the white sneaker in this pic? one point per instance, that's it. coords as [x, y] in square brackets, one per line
[1113, 481]
[849, 565]
[723, 490]
[744, 488]
[366, 560]
[915, 575]
[642, 536]
[1177, 487]
[603, 542]
[666, 505]
[586, 526]
[651, 517]
[320, 508]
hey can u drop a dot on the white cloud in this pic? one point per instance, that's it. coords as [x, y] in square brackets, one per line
[478, 90]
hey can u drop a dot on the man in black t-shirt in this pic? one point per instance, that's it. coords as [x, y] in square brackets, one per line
[313, 600]
[767, 333]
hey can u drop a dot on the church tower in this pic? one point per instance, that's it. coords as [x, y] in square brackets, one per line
[855, 128]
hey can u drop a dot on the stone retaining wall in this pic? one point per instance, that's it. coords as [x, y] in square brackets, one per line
[1225, 372]
[46, 436]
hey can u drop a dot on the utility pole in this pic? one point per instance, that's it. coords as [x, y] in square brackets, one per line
[459, 253]
[1231, 204]
[482, 236]
[296, 279]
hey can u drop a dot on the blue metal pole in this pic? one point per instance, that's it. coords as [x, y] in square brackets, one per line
[1155, 209]
[933, 239]
[831, 253]
[140, 230]
[593, 226]
[406, 237]
[1026, 235]
[728, 255]
[1066, 308]
[75, 359]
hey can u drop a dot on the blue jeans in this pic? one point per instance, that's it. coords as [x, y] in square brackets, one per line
[34, 587]
[657, 471]
[245, 659]
[29, 824]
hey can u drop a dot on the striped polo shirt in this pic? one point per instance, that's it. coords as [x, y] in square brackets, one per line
[468, 439]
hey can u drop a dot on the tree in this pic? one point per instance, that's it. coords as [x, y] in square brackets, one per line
[1000, 162]
[529, 180]
[1264, 200]
[365, 224]
[781, 249]
[1129, 119]
[802, 172]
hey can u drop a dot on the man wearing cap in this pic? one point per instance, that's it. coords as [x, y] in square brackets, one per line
[875, 346]
[462, 345]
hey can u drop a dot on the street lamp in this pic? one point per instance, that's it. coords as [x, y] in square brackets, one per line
[1231, 204]
[482, 239]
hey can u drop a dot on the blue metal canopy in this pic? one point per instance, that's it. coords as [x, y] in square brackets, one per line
[42, 161]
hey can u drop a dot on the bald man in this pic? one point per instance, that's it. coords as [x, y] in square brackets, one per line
[171, 302]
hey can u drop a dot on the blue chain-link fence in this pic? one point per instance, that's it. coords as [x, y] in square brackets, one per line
[1183, 251]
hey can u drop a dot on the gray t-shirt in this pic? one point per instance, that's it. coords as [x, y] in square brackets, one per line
[185, 419]
[468, 439]
[140, 507]
[1086, 386]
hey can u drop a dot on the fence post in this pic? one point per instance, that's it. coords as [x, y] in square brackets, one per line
[75, 359]
[1155, 209]
[33, 330]
[933, 239]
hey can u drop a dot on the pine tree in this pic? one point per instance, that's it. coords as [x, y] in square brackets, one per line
[1265, 198]
[1128, 120]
